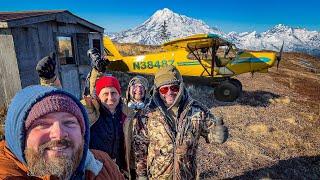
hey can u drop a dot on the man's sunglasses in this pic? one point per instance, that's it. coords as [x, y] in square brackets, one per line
[164, 90]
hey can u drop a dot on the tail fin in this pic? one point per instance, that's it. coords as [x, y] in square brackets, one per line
[110, 49]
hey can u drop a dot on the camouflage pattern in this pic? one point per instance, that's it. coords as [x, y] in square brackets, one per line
[165, 148]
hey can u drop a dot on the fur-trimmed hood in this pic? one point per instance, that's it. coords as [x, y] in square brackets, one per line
[137, 79]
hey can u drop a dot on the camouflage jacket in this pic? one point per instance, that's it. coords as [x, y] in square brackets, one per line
[165, 148]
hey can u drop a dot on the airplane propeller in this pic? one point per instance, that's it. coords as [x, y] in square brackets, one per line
[279, 55]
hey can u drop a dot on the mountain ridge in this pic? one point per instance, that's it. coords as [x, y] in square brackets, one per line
[149, 33]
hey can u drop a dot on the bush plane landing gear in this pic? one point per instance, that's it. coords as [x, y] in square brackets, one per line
[228, 90]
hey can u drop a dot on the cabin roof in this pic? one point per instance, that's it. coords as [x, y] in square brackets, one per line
[22, 18]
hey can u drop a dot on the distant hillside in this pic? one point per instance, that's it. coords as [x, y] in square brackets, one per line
[130, 49]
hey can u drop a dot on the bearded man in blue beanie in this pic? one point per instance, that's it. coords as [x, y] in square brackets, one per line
[47, 137]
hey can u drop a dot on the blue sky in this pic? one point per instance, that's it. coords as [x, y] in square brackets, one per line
[228, 15]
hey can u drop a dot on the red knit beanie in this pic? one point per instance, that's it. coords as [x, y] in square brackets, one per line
[107, 81]
[55, 103]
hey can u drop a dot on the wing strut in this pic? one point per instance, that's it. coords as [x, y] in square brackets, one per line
[198, 58]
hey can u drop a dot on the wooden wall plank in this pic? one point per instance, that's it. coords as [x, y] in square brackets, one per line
[27, 47]
[9, 79]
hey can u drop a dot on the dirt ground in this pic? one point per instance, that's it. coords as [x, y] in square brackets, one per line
[274, 126]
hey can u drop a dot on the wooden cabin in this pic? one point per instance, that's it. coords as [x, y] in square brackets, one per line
[27, 37]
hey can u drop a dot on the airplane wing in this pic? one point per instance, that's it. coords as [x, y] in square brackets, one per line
[195, 42]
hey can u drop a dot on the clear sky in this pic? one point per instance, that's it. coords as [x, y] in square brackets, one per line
[227, 15]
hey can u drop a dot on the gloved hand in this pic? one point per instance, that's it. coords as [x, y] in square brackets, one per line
[46, 66]
[99, 63]
[220, 132]
[92, 106]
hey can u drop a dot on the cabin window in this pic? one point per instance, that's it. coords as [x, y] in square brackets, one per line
[96, 44]
[65, 50]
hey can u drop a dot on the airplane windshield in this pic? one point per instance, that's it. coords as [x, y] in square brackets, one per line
[212, 56]
[226, 52]
[201, 54]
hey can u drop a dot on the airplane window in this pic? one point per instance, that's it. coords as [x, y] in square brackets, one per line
[200, 54]
[191, 56]
[226, 52]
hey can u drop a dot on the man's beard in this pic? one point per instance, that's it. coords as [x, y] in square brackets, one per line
[63, 166]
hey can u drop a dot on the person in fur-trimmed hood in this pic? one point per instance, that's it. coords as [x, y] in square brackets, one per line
[47, 137]
[137, 94]
[167, 132]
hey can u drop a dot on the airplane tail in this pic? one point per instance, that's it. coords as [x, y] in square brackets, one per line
[110, 49]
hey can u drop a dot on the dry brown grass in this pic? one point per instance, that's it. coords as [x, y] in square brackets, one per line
[3, 112]
[131, 49]
[274, 125]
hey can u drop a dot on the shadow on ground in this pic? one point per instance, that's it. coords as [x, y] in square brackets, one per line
[256, 98]
[247, 98]
[210, 174]
[304, 167]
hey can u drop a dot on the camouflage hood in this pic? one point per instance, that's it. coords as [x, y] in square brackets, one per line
[179, 103]
[141, 80]
[166, 76]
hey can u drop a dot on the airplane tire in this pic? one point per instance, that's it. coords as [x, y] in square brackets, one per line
[227, 92]
[237, 83]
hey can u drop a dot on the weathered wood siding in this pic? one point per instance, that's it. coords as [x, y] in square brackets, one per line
[27, 46]
[9, 72]
[84, 62]
[83, 46]
[24, 44]
[34, 42]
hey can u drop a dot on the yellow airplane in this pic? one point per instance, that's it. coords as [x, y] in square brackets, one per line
[202, 55]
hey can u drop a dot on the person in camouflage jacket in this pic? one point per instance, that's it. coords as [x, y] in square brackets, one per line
[137, 96]
[166, 133]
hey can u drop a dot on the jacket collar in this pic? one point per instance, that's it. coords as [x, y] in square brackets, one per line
[183, 105]
[107, 112]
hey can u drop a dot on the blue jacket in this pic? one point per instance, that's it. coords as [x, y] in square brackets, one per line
[17, 113]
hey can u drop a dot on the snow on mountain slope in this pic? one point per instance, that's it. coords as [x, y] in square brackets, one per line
[149, 32]
[177, 25]
[295, 39]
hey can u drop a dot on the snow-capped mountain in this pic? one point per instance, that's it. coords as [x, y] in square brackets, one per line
[149, 32]
[295, 39]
